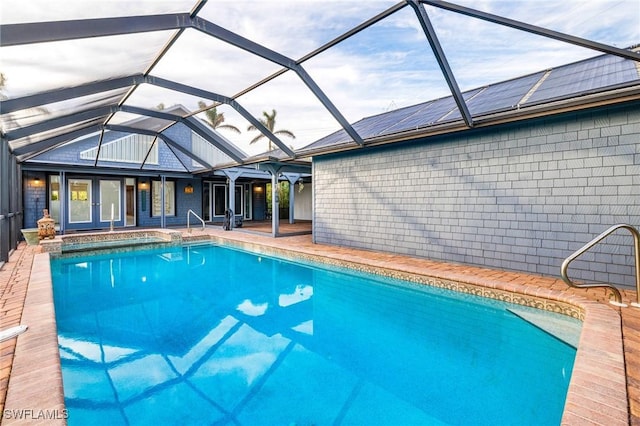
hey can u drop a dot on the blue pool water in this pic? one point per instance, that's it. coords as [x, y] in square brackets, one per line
[211, 335]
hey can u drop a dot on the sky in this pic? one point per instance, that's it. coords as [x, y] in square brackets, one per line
[387, 66]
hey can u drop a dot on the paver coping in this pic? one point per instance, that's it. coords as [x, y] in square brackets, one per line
[604, 388]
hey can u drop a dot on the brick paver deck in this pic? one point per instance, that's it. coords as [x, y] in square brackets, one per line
[605, 385]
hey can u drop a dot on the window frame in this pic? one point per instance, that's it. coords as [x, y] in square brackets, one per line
[169, 198]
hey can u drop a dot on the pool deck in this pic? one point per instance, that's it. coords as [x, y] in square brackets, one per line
[605, 385]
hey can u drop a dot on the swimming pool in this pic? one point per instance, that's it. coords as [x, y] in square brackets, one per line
[206, 335]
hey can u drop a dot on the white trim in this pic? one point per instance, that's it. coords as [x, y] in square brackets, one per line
[89, 199]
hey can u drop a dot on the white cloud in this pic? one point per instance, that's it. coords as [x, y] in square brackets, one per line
[20, 11]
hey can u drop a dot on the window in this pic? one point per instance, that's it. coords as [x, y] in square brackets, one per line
[54, 198]
[80, 200]
[109, 200]
[238, 200]
[247, 201]
[219, 199]
[169, 198]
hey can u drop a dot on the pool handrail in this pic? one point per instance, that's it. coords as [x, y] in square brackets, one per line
[618, 296]
[191, 212]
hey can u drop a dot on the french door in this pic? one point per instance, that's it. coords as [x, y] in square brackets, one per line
[215, 200]
[94, 203]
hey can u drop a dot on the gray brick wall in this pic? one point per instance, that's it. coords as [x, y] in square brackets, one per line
[519, 197]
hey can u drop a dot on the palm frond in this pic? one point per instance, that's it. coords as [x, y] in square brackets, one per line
[229, 127]
[216, 119]
[285, 132]
[256, 139]
[269, 121]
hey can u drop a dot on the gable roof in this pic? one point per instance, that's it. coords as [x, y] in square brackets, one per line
[175, 149]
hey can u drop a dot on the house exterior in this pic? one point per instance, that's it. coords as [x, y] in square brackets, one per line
[521, 195]
[126, 179]
[553, 161]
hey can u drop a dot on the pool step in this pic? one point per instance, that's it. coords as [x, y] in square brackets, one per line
[199, 243]
[565, 331]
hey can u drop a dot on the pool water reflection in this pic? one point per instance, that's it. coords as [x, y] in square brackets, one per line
[210, 335]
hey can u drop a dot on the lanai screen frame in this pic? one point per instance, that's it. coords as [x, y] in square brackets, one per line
[18, 145]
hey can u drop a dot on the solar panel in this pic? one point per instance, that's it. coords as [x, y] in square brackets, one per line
[376, 125]
[369, 127]
[430, 114]
[500, 96]
[566, 81]
[335, 138]
[585, 76]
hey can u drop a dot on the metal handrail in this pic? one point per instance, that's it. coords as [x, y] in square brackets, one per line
[596, 240]
[198, 217]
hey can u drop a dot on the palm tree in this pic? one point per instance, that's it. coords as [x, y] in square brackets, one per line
[269, 121]
[216, 119]
[3, 81]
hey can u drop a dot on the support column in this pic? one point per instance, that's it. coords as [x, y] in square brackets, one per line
[274, 169]
[292, 199]
[19, 200]
[292, 178]
[275, 205]
[63, 202]
[232, 201]
[163, 181]
[4, 200]
[232, 175]
[15, 222]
